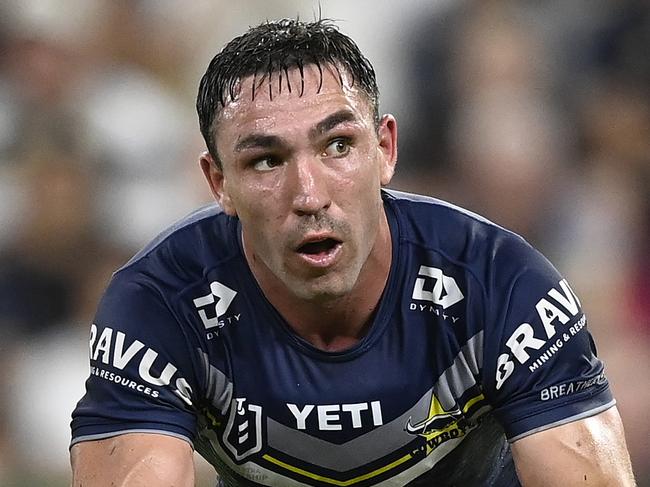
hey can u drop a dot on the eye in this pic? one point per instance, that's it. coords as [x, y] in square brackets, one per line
[337, 148]
[267, 163]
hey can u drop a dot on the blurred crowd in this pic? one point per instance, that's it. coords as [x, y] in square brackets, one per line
[535, 114]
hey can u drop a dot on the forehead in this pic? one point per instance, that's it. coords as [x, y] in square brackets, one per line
[290, 98]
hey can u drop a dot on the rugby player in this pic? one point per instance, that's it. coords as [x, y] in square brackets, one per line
[313, 328]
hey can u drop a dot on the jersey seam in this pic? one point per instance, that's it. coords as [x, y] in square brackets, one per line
[575, 399]
[430, 201]
[507, 300]
[459, 263]
[566, 420]
[144, 430]
[465, 267]
[179, 325]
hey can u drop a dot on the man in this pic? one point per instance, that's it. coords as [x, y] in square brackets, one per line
[316, 329]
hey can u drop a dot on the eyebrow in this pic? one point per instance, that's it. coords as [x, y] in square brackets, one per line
[258, 141]
[331, 121]
[261, 141]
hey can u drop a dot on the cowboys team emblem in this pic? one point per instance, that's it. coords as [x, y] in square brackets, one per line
[437, 422]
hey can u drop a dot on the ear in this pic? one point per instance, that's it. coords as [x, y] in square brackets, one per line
[387, 134]
[213, 173]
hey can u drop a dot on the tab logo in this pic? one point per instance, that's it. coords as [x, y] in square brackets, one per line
[434, 286]
[214, 305]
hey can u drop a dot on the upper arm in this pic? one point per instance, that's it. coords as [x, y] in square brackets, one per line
[540, 363]
[143, 374]
[133, 460]
[587, 452]
[543, 378]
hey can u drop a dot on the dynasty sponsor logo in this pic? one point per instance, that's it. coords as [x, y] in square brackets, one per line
[212, 308]
[433, 286]
[110, 349]
[558, 307]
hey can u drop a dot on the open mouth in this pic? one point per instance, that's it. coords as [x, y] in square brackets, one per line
[319, 247]
[320, 251]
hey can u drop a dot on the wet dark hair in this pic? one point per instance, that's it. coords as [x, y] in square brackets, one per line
[274, 47]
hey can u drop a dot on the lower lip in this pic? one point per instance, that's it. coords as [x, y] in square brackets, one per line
[322, 259]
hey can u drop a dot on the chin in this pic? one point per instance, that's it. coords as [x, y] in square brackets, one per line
[321, 291]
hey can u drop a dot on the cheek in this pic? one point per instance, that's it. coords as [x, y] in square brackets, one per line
[249, 200]
[259, 215]
[366, 181]
[361, 172]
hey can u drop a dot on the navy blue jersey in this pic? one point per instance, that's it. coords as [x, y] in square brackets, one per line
[477, 341]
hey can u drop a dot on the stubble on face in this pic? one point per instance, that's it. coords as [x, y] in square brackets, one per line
[272, 228]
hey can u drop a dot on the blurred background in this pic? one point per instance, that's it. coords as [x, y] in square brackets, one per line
[533, 113]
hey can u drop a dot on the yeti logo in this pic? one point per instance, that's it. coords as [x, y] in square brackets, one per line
[444, 291]
[224, 295]
[243, 433]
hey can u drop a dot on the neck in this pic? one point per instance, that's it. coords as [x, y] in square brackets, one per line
[338, 323]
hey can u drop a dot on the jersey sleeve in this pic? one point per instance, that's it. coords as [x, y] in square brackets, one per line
[142, 374]
[541, 368]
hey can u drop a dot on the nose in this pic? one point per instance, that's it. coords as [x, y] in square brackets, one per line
[309, 187]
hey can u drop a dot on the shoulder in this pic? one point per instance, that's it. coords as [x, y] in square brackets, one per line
[182, 252]
[461, 238]
[511, 274]
[458, 258]
[433, 222]
[163, 279]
